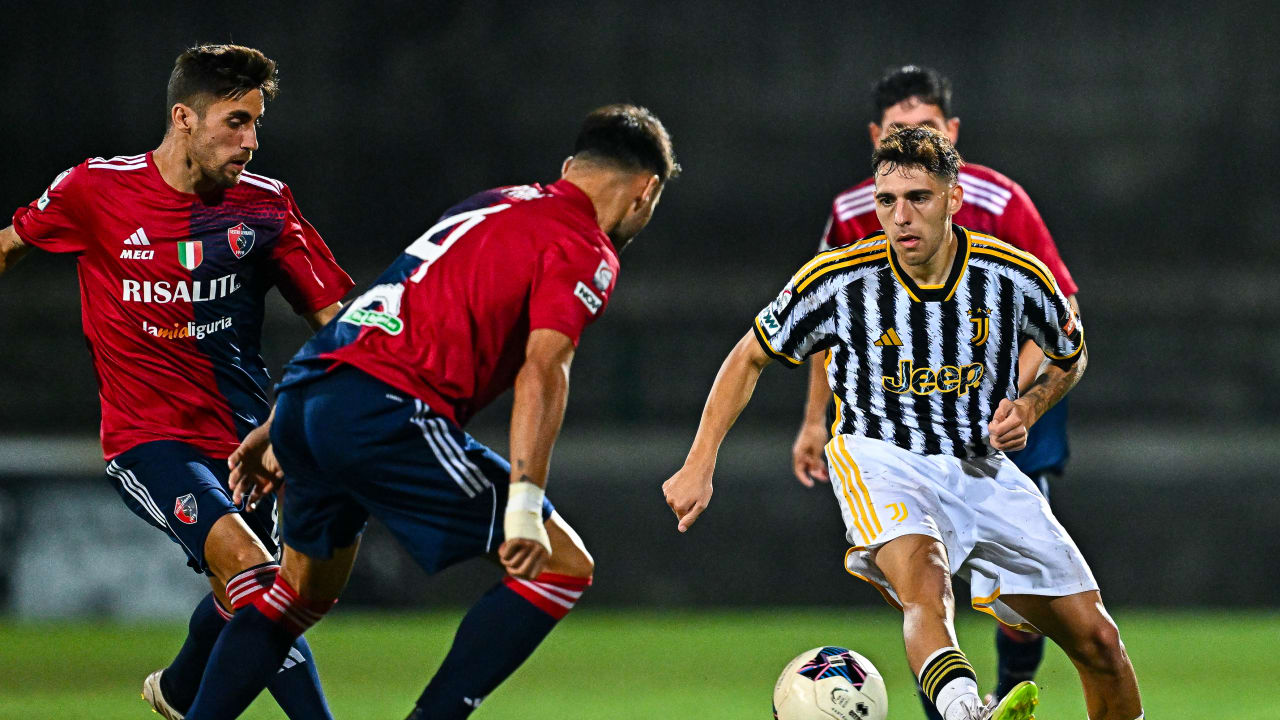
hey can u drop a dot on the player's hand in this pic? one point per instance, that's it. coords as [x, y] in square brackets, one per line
[254, 468]
[688, 493]
[808, 461]
[524, 558]
[1008, 427]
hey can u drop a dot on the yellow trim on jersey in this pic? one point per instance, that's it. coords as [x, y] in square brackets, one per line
[866, 495]
[1025, 259]
[855, 506]
[878, 254]
[983, 605]
[883, 592]
[833, 254]
[826, 365]
[1079, 347]
[769, 346]
[964, 267]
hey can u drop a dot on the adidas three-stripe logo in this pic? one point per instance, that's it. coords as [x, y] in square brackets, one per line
[889, 338]
[139, 237]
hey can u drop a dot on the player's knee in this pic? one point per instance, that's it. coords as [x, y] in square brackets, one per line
[1100, 649]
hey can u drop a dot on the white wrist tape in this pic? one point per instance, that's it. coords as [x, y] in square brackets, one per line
[523, 517]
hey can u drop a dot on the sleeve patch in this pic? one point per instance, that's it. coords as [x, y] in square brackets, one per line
[588, 298]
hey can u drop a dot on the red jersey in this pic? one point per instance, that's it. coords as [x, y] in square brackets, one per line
[993, 204]
[448, 322]
[171, 292]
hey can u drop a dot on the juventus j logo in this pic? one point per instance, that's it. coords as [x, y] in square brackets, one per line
[899, 511]
[981, 319]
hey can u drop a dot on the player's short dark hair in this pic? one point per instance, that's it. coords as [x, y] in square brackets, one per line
[628, 137]
[207, 73]
[917, 146]
[912, 81]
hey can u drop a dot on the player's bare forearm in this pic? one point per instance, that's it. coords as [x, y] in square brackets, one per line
[321, 317]
[807, 461]
[1055, 381]
[11, 248]
[730, 393]
[688, 492]
[541, 393]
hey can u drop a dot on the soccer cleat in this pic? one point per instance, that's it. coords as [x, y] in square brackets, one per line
[152, 694]
[1019, 704]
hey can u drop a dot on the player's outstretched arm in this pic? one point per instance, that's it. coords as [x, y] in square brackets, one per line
[807, 460]
[688, 492]
[541, 393]
[1012, 419]
[11, 248]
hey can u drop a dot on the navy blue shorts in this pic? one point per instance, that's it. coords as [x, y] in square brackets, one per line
[183, 492]
[352, 446]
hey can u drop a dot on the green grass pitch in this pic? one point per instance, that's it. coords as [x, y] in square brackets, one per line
[644, 664]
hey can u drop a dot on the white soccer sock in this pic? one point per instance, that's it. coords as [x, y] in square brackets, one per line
[958, 698]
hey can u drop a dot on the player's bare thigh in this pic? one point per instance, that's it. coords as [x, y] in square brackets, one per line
[1070, 620]
[230, 549]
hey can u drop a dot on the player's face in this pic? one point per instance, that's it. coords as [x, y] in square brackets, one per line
[223, 140]
[638, 215]
[914, 112]
[915, 210]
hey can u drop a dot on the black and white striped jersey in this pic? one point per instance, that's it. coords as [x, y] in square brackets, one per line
[922, 367]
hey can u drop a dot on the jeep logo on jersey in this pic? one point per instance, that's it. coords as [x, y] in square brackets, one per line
[185, 509]
[240, 238]
[190, 254]
[959, 379]
[165, 291]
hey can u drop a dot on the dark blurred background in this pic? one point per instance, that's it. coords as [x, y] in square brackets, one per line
[1146, 133]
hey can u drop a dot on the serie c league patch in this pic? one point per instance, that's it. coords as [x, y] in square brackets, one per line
[184, 508]
[240, 238]
[603, 276]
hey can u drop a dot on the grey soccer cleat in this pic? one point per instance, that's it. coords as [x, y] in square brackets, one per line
[151, 693]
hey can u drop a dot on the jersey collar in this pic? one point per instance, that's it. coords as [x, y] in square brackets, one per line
[935, 293]
[578, 199]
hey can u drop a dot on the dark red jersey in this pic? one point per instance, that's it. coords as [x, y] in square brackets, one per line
[448, 322]
[172, 287]
[993, 204]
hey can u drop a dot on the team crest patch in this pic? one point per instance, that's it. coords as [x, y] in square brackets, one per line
[603, 276]
[190, 254]
[240, 238]
[184, 508]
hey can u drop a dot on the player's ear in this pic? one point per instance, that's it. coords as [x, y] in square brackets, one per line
[564, 166]
[183, 117]
[651, 186]
[953, 129]
[874, 131]
[955, 199]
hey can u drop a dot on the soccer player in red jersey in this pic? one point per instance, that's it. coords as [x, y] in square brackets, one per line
[995, 205]
[370, 413]
[176, 250]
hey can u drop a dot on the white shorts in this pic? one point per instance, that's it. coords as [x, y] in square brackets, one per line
[999, 533]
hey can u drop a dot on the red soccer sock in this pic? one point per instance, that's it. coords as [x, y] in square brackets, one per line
[551, 593]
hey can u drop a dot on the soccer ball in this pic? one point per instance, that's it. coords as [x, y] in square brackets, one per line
[830, 683]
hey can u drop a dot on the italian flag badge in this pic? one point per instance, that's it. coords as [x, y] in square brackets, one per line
[190, 254]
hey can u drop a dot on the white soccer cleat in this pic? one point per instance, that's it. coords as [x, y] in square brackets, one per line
[151, 693]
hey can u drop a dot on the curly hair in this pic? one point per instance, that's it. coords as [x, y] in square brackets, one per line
[917, 146]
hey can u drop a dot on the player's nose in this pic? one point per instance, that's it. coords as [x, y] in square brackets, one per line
[249, 141]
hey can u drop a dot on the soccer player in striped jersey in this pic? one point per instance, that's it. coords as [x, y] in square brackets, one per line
[176, 250]
[924, 322]
[493, 296]
[994, 205]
